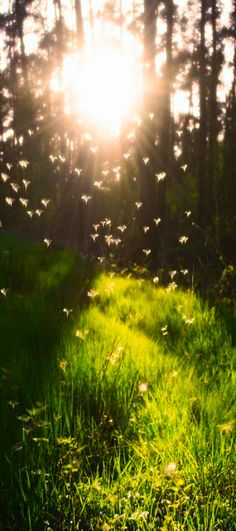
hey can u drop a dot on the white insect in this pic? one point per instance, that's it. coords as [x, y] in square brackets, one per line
[94, 236]
[26, 183]
[45, 202]
[92, 293]
[78, 171]
[86, 198]
[98, 184]
[5, 177]
[160, 176]
[157, 221]
[15, 187]
[9, 200]
[52, 158]
[67, 311]
[4, 291]
[122, 228]
[188, 213]
[24, 201]
[94, 149]
[183, 239]
[23, 163]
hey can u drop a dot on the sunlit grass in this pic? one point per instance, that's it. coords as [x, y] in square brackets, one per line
[134, 425]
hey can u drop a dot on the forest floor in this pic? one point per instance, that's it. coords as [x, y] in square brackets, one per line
[117, 400]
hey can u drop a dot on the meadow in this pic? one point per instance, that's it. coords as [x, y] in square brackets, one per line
[117, 399]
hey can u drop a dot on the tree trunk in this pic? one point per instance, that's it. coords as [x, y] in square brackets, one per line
[202, 139]
[212, 157]
[79, 25]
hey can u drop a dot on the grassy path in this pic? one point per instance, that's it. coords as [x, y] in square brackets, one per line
[120, 415]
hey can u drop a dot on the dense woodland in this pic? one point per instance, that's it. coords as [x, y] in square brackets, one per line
[117, 268]
[168, 180]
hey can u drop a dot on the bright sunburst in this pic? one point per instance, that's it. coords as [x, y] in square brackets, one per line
[104, 87]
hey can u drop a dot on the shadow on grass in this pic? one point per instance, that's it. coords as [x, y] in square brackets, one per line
[40, 283]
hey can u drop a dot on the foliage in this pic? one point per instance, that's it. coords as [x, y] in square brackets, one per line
[133, 423]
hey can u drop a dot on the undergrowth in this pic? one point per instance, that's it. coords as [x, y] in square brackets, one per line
[117, 398]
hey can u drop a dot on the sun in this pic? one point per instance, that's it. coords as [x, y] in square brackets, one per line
[103, 87]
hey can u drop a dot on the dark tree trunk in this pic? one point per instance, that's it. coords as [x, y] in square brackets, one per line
[79, 24]
[202, 138]
[212, 157]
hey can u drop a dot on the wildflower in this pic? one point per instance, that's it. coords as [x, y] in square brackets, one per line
[188, 320]
[170, 469]
[143, 387]
[47, 241]
[156, 280]
[146, 160]
[227, 427]
[171, 286]
[92, 293]
[157, 221]
[63, 365]
[184, 167]
[164, 330]
[9, 200]
[188, 213]
[147, 251]
[81, 334]
[138, 204]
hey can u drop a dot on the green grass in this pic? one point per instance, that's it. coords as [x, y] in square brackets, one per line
[126, 409]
